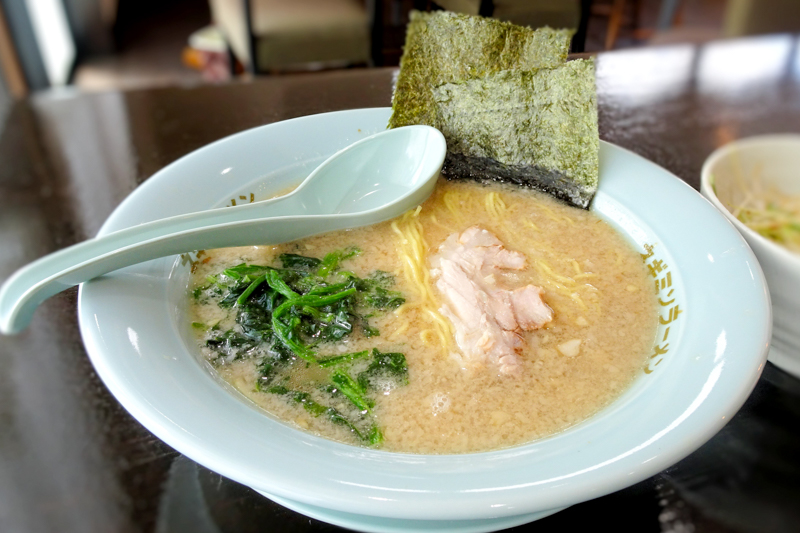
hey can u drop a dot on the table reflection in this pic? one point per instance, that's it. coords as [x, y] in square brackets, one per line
[735, 67]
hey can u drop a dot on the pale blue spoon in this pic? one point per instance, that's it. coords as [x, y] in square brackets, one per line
[372, 180]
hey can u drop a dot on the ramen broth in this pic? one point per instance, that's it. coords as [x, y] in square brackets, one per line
[596, 284]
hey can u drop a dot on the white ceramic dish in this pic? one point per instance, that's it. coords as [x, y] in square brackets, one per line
[710, 353]
[775, 159]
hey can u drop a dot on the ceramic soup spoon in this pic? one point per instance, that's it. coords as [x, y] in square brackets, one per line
[372, 180]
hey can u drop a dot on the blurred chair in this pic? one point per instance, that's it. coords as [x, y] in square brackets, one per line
[468, 7]
[748, 17]
[553, 13]
[533, 13]
[615, 11]
[273, 35]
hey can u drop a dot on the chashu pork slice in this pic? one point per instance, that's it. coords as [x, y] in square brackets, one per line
[487, 318]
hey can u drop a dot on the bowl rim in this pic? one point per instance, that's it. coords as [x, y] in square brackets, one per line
[466, 495]
[707, 187]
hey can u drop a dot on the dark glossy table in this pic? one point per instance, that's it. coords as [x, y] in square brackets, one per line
[72, 460]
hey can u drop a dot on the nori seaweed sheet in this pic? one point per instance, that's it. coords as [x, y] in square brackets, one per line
[510, 106]
[536, 128]
[443, 47]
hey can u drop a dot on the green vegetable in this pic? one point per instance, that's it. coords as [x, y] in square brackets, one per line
[299, 262]
[278, 284]
[371, 436]
[286, 316]
[313, 300]
[352, 389]
[284, 331]
[384, 366]
[382, 299]
[778, 220]
[369, 331]
[331, 261]
[375, 293]
[250, 288]
[334, 360]
[243, 271]
[326, 289]
[272, 366]
[231, 345]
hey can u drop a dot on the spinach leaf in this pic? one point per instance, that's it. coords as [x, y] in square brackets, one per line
[380, 298]
[250, 288]
[374, 291]
[276, 281]
[299, 262]
[244, 270]
[331, 261]
[353, 390]
[384, 366]
[367, 329]
[372, 436]
[256, 322]
[231, 345]
[284, 316]
[334, 360]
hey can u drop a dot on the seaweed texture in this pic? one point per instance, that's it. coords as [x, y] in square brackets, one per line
[444, 47]
[535, 128]
[510, 106]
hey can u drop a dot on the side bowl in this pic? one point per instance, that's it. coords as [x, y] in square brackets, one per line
[775, 160]
[713, 337]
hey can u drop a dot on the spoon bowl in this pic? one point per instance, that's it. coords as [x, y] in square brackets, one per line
[375, 173]
[372, 180]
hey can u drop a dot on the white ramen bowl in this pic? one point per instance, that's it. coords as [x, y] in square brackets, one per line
[709, 353]
[775, 160]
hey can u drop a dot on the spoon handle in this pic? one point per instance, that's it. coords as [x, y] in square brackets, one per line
[22, 293]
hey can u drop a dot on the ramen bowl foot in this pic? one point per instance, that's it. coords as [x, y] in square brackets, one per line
[377, 524]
